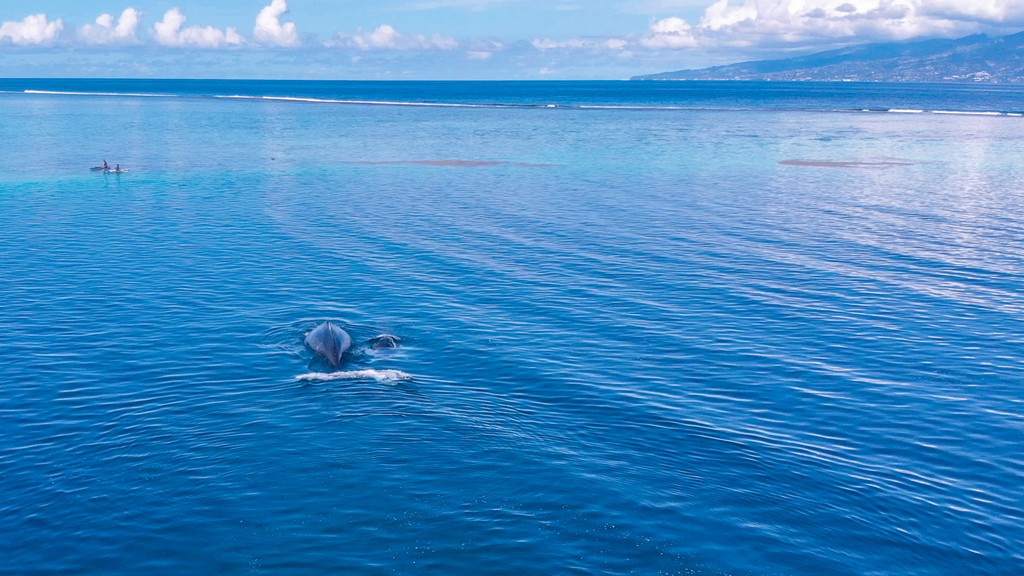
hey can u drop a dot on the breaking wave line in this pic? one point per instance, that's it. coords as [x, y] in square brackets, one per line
[130, 94]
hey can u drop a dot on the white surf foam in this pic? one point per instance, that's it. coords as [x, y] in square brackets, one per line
[626, 107]
[361, 102]
[131, 94]
[378, 375]
[967, 113]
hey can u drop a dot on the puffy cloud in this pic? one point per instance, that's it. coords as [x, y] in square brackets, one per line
[792, 21]
[807, 23]
[33, 30]
[670, 33]
[269, 29]
[723, 15]
[990, 11]
[169, 32]
[105, 31]
[385, 37]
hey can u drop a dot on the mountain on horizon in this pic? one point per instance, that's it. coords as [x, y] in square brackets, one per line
[976, 58]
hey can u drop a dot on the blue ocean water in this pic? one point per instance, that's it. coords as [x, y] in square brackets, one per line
[648, 328]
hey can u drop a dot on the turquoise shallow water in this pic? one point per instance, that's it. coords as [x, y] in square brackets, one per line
[692, 337]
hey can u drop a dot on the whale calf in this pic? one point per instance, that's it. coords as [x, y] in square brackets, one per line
[384, 341]
[329, 341]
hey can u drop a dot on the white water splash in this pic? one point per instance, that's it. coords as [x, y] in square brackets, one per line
[378, 375]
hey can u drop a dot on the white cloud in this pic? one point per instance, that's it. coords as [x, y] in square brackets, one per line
[792, 21]
[806, 24]
[545, 44]
[994, 11]
[269, 29]
[33, 30]
[385, 37]
[723, 15]
[169, 32]
[105, 31]
[549, 44]
[670, 33]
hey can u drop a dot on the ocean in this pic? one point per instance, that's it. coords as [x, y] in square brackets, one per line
[645, 328]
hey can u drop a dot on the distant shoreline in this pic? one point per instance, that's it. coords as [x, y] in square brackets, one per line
[976, 59]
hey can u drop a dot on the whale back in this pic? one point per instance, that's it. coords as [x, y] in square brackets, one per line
[329, 341]
[384, 341]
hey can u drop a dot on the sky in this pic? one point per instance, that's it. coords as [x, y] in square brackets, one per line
[455, 39]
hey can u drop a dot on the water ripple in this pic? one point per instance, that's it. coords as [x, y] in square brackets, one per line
[664, 352]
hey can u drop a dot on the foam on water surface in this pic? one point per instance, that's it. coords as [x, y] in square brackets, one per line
[368, 374]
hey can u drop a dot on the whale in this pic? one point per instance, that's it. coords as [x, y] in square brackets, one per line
[330, 341]
[384, 341]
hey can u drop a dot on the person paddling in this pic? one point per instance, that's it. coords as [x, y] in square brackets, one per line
[105, 165]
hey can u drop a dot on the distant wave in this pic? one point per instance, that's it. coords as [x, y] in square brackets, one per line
[378, 375]
[626, 107]
[127, 94]
[966, 113]
[454, 104]
[951, 112]
[525, 105]
[364, 102]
